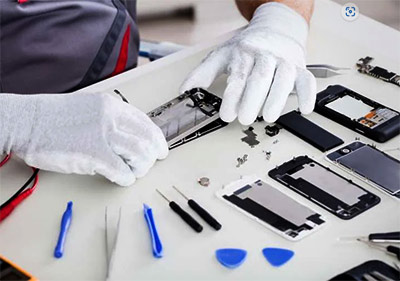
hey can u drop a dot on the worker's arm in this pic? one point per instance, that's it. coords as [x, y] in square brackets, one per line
[264, 62]
[303, 7]
[82, 133]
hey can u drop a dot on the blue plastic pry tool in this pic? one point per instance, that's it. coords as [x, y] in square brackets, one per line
[231, 258]
[277, 256]
[65, 223]
[155, 239]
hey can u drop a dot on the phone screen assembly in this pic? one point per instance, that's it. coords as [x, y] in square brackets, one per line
[272, 208]
[358, 113]
[338, 195]
[189, 116]
[370, 164]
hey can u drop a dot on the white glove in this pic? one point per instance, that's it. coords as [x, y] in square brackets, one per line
[82, 133]
[264, 62]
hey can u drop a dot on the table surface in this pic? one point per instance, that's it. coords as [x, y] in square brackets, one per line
[28, 237]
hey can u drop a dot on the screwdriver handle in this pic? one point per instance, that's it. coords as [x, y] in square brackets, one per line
[186, 217]
[391, 236]
[394, 250]
[204, 214]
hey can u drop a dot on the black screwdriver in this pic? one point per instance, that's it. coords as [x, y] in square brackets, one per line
[393, 237]
[200, 211]
[185, 216]
[392, 250]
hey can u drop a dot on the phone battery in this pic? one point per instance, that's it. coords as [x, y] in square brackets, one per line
[308, 131]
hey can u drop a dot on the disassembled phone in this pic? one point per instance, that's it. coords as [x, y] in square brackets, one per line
[189, 116]
[358, 113]
[371, 165]
[331, 191]
[272, 208]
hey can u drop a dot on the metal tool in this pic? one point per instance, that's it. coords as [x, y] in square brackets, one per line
[368, 277]
[396, 266]
[110, 255]
[200, 211]
[388, 237]
[375, 276]
[326, 70]
[390, 250]
[185, 216]
[363, 66]
[380, 276]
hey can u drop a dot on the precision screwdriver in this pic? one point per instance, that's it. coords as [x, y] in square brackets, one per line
[391, 250]
[200, 211]
[185, 216]
[388, 237]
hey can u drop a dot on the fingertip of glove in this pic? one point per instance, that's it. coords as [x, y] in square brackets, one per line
[307, 108]
[227, 117]
[164, 151]
[245, 120]
[270, 118]
[126, 180]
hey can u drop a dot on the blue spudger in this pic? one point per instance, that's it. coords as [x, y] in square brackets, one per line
[65, 223]
[155, 239]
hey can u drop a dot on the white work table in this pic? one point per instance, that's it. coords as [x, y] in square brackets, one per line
[29, 235]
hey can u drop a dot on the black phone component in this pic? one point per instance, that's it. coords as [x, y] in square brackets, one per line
[358, 113]
[308, 131]
[338, 195]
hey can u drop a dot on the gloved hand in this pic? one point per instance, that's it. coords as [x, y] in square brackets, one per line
[82, 133]
[264, 62]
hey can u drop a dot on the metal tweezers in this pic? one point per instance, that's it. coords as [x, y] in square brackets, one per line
[325, 70]
[110, 255]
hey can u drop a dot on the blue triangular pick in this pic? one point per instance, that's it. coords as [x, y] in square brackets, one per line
[277, 256]
[231, 258]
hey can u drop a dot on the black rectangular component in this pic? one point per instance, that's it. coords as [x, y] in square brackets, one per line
[358, 113]
[338, 195]
[382, 73]
[308, 131]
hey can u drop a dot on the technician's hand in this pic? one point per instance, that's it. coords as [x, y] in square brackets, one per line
[81, 133]
[264, 63]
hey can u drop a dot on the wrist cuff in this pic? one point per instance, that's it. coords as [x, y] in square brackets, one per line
[281, 19]
[16, 117]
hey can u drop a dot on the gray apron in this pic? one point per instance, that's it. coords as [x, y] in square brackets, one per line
[54, 46]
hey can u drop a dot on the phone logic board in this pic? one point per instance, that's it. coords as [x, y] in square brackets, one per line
[338, 195]
[189, 116]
